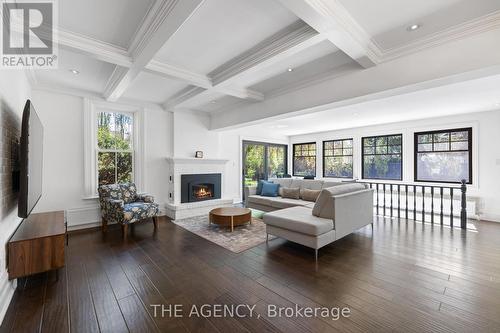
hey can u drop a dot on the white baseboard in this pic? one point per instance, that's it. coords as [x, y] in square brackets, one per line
[489, 217]
[7, 289]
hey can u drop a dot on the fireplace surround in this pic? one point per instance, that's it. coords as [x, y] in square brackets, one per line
[200, 187]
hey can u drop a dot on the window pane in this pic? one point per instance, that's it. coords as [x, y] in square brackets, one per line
[254, 169]
[369, 150]
[441, 137]
[276, 164]
[368, 142]
[461, 145]
[447, 166]
[460, 136]
[106, 168]
[382, 167]
[348, 151]
[394, 140]
[123, 131]
[348, 143]
[381, 141]
[105, 137]
[442, 146]
[338, 167]
[337, 152]
[304, 166]
[338, 144]
[114, 131]
[425, 138]
[425, 147]
[328, 145]
[394, 149]
[381, 150]
[124, 167]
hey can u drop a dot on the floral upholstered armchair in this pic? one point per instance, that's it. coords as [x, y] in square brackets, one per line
[120, 203]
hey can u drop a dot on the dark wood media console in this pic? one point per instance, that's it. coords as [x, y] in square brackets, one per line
[37, 245]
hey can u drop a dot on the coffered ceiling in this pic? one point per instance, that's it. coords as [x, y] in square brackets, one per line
[218, 56]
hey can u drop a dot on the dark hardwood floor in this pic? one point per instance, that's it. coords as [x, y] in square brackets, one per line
[403, 276]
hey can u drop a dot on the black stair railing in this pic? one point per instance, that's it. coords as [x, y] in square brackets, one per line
[428, 213]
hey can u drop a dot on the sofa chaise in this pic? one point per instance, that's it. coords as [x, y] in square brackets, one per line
[340, 209]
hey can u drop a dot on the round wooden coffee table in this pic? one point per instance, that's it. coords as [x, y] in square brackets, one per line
[230, 216]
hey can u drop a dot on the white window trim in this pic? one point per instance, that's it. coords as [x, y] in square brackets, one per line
[91, 108]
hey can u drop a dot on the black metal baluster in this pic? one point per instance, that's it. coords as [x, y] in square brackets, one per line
[432, 204]
[391, 200]
[384, 198]
[441, 214]
[377, 199]
[423, 203]
[406, 202]
[463, 204]
[399, 201]
[414, 202]
[451, 207]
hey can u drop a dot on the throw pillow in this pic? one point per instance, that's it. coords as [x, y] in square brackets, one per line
[270, 189]
[291, 193]
[309, 195]
[259, 186]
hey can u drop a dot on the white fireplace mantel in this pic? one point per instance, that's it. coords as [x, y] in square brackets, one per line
[194, 160]
[178, 166]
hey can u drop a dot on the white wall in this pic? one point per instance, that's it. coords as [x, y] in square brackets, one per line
[63, 173]
[14, 90]
[190, 134]
[486, 155]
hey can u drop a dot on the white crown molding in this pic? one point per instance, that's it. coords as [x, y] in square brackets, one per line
[333, 21]
[467, 29]
[95, 48]
[97, 97]
[183, 95]
[151, 23]
[174, 72]
[286, 39]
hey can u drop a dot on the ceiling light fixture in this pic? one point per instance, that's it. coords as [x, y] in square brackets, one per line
[74, 71]
[414, 27]
[290, 69]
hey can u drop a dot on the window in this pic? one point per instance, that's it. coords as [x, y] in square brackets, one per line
[115, 148]
[444, 156]
[304, 159]
[382, 157]
[337, 158]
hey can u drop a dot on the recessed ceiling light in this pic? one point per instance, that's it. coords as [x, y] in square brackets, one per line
[355, 114]
[74, 71]
[213, 102]
[414, 27]
[290, 69]
[497, 104]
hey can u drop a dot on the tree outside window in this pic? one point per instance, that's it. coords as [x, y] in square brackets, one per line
[304, 159]
[115, 148]
[382, 157]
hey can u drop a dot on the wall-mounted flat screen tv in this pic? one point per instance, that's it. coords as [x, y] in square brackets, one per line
[30, 161]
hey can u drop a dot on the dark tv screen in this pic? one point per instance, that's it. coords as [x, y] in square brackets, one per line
[30, 161]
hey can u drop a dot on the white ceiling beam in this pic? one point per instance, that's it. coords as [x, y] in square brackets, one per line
[284, 44]
[162, 21]
[333, 21]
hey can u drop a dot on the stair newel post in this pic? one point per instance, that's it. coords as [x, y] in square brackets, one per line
[463, 211]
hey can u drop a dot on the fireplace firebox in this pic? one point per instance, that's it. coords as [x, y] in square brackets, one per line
[200, 187]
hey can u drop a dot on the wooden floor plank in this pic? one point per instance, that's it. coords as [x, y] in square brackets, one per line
[402, 276]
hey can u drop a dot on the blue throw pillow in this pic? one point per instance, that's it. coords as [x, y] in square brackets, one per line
[259, 186]
[270, 190]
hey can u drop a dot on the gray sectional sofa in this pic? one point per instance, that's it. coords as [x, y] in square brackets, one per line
[340, 209]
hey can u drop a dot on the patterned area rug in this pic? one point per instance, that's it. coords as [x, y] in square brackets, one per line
[242, 238]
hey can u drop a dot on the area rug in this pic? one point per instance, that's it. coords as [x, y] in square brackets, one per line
[242, 238]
